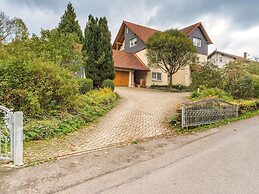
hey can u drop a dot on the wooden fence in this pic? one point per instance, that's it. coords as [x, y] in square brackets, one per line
[206, 111]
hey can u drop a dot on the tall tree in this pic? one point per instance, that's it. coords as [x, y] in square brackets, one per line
[105, 59]
[97, 51]
[169, 51]
[12, 29]
[69, 24]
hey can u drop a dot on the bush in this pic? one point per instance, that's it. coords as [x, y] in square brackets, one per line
[208, 75]
[209, 93]
[241, 88]
[256, 86]
[237, 81]
[175, 88]
[37, 88]
[87, 108]
[108, 84]
[85, 85]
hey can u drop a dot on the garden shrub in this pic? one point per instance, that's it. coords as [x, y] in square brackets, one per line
[87, 108]
[85, 85]
[248, 106]
[207, 75]
[237, 81]
[36, 87]
[210, 93]
[174, 88]
[241, 88]
[108, 84]
[256, 85]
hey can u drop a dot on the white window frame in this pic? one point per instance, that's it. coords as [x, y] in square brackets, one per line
[196, 42]
[133, 42]
[155, 76]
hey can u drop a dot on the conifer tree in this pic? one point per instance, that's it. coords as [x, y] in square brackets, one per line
[97, 51]
[69, 24]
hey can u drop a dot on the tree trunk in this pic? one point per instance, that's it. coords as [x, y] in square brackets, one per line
[170, 84]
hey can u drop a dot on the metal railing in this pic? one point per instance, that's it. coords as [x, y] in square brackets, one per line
[207, 111]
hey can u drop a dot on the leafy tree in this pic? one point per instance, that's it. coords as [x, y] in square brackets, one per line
[169, 51]
[208, 76]
[97, 51]
[12, 29]
[51, 46]
[20, 30]
[68, 23]
[5, 27]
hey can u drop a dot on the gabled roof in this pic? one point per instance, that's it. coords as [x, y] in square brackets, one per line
[144, 32]
[190, 29]
[127, 60]
[235, 57]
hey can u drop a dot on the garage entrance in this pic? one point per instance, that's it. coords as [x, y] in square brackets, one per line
[121, 78]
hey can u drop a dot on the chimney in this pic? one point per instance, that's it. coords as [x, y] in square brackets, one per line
[245, 55]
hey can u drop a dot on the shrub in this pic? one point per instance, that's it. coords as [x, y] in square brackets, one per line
[87, 108]
[85, 85]
[242, 87]
[256, 86]
[108, 84]
[237, 81]
[36, 87]
[208, 75]
[209, 93]
[173, 88]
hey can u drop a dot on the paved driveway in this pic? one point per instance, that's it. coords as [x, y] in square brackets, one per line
[141, 113]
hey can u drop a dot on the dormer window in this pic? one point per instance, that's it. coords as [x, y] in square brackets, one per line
[196, 42]
[133, 42]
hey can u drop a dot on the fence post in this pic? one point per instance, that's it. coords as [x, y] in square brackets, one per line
[183, 116]
[18, 138]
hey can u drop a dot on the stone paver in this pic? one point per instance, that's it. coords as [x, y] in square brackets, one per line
[141, 113]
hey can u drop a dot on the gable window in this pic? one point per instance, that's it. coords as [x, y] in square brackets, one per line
[133, 42]
[156, 76]
[196, 42]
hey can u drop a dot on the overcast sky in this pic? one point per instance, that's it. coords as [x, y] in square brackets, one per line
[233, 25]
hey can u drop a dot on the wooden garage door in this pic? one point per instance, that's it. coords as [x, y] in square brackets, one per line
[121, 78]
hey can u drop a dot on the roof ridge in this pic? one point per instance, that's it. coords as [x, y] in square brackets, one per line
[124, 21]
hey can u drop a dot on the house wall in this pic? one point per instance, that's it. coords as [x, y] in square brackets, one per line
[202, 58]
[204, 45]
[220, 60]
[183, 76]
[128, 36]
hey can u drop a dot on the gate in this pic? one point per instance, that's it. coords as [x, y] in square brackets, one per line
[11, 136]
[207, 111]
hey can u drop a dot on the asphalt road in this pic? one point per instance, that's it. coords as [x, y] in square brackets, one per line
[224, 162]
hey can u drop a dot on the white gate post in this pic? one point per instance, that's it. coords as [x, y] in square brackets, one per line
[18, 138]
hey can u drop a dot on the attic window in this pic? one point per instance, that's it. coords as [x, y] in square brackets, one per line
[133, 42]
[196, 42]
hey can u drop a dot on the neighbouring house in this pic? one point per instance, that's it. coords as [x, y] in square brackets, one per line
[221, 58]
[131, 63]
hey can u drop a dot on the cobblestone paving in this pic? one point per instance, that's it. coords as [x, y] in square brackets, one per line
[141, 113]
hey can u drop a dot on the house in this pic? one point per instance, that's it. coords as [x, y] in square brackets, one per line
[131, 63]
[221, 58]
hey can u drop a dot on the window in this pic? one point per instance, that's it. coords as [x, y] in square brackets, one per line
[156, 76]
[127, 30]
[133, 42]
[196, 42]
